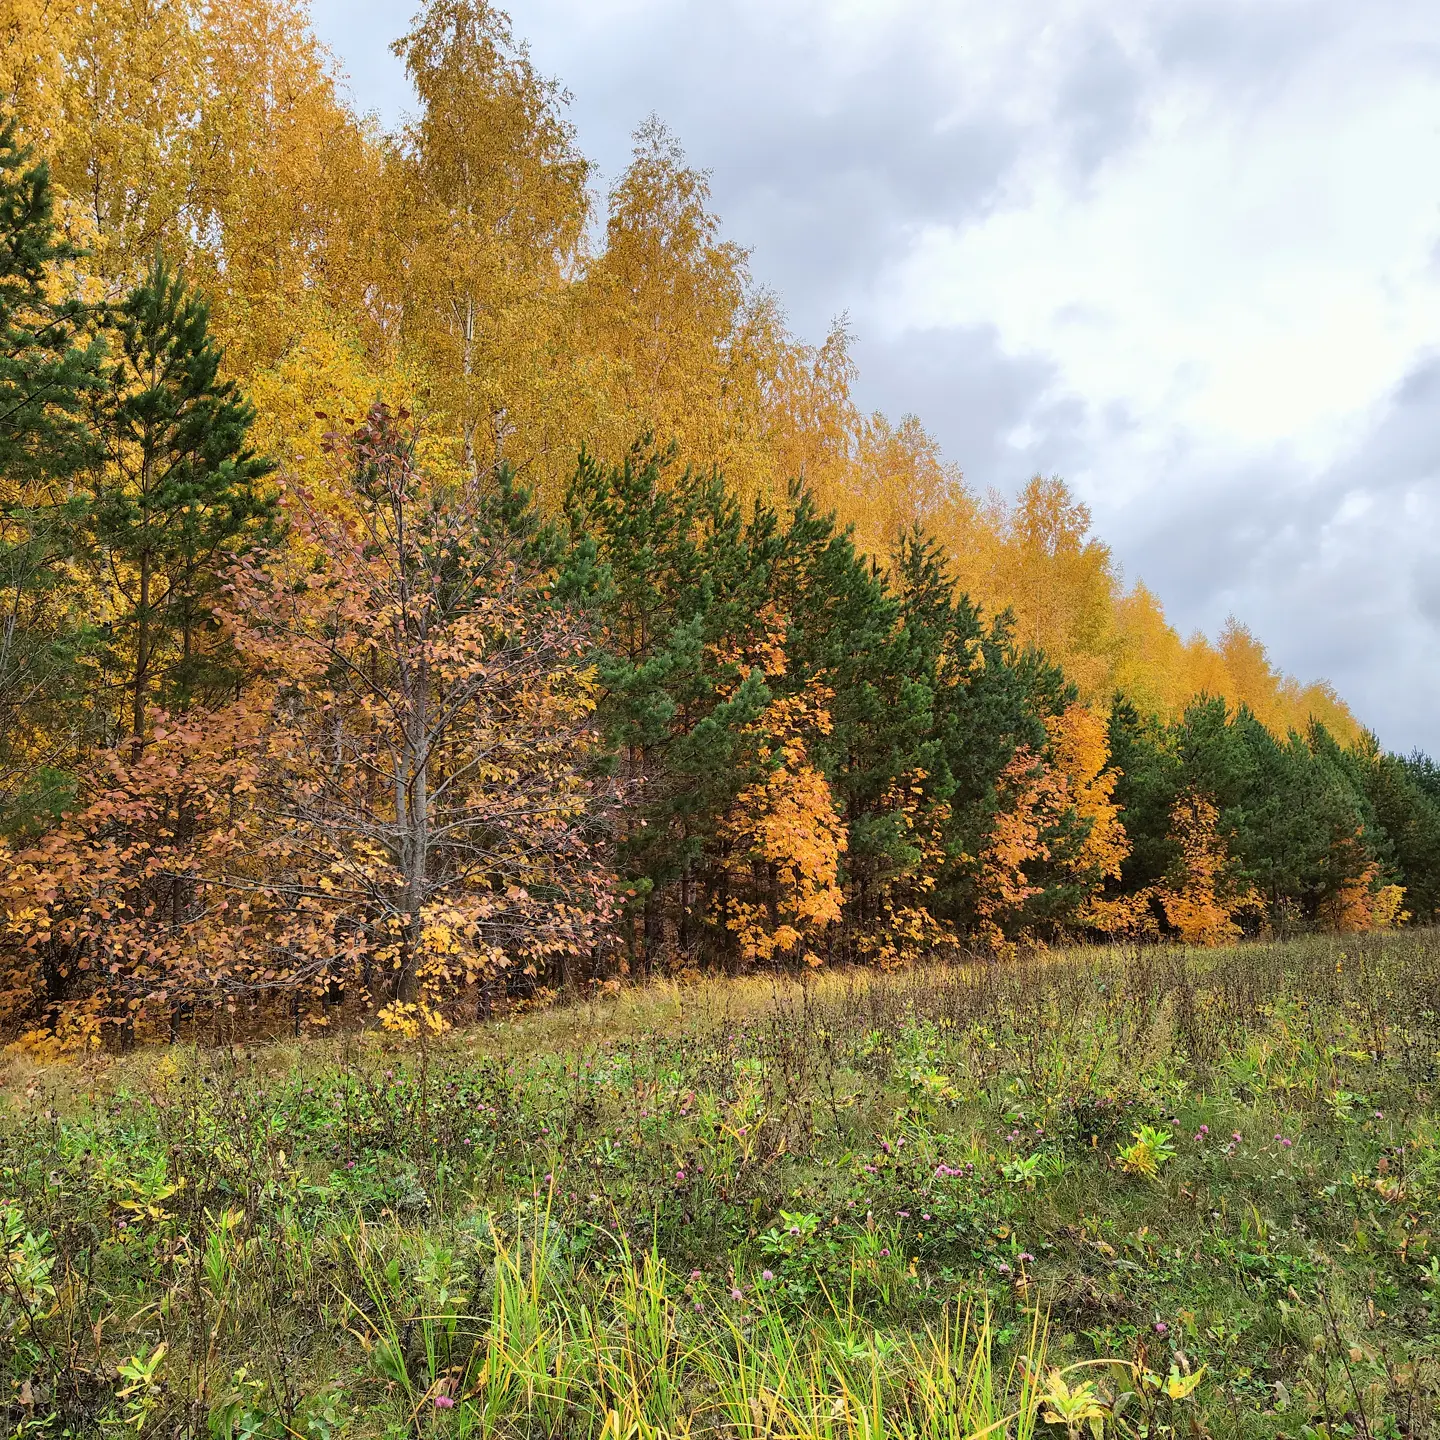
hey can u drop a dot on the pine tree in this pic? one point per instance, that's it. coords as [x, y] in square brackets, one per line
[678, 582]
[177, 495]
[48, 361]
[1409, 813]
[46, 364]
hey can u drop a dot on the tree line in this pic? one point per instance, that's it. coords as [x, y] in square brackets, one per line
[331, 681]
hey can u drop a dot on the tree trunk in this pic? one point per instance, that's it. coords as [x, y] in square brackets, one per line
[142, 654]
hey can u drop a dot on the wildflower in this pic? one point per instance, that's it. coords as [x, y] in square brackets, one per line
[679, 1177]
[794, 1229]
[698, 1305]
[904, 1214]
[925, 1215]
[1204, 1130]
[1004, 1268]
[1286, 1142]
[735, 1293]
[885, 1252]
[349, 1164]
[694, 1274]
[444, 1402]
[767, 1275]
[1237, 1137]
[1161, 1329]
[1026, 1258]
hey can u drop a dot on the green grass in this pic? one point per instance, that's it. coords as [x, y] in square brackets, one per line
[1020, 1199]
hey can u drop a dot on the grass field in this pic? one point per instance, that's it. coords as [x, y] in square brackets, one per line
[1103, 1192]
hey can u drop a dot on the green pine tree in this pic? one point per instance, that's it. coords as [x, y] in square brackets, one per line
[178, 494]
[49, 359]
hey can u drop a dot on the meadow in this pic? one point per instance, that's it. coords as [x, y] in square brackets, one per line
[1127, 1192]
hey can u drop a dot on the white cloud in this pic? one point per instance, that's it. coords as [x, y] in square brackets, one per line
[1257, 277]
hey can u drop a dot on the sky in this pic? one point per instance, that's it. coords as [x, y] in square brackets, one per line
[1183, 253]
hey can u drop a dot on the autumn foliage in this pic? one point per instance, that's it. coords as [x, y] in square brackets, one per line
[422, 590]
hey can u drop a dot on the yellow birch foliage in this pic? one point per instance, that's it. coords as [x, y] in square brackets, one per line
[492, 207]
[324, 385]
[1080, 749]
[284, 180]
[216, 133]
[811, 420]
[1151, 663]
[122, 126]
[902, 479]
[1059, 582]
[34, 35]
[680, 343]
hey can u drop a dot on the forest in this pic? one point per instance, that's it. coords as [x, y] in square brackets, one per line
[429, 584]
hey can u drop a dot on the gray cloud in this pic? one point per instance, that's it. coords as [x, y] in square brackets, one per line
[997, 414]
[1336, 572]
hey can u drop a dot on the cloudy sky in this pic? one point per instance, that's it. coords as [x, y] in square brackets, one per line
[1185, 253]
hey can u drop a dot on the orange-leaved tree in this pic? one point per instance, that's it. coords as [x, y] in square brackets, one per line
[149, 896]
[1201, 897]
[1056, 831]
[429, 800]
[784, 840]
[1079, 748]
[1030, 799]
[1355, 900]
